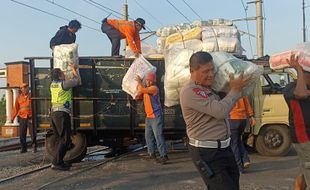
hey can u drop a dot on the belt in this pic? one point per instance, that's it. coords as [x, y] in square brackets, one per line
[54, 109]
[210, 144]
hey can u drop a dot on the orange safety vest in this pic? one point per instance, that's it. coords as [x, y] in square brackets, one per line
[242, 109]
[128, 31]
[22, 106]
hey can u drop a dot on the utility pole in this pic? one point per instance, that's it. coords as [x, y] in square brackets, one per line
[125, 17]
[259, 29]
[303, 21]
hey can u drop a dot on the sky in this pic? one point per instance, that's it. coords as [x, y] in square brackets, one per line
[25, 32]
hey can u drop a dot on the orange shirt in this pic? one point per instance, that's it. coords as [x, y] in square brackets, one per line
[22, 106]
[152, 104]
[128, 31]
[242, 109]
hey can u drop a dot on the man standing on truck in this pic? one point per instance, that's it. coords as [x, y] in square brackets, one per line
[22, 109]
[61, 95]
[154, 118]
[206, 126]
[297, 97]
[121, 29]
[66, 34]
[238, 121]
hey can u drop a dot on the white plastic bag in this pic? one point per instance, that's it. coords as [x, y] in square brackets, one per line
[64, 55]
[146, 49]
[227, 64]
[139, 67]
[230, 45]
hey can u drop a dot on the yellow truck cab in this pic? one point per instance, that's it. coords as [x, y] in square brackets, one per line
[272, 137]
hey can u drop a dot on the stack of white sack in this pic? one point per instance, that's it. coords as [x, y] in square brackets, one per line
[164, 32]
[140, 67]
[227, 64]
[177, 73]
[221, 38]
[64, 55]
[302, 51]
[213, 22]
[168, 30]
[148, 51]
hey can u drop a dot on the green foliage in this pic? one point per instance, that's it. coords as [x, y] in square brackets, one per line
[2, 110]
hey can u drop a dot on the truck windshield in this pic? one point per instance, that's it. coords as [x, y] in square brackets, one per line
[274, 83]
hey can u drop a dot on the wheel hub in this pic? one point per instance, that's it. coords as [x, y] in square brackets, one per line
[273, 139]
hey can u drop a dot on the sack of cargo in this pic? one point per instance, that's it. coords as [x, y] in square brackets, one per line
[160, 44]
[230, 45]
[64, 55]
[140, 67]
[279, 61]
[219, 31]
[213, 22]
[168, 30]
[227, 64]
[146, 50]
[177, 74]
[194, 33]
[195, 45]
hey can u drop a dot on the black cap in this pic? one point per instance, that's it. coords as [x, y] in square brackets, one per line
[141, 21]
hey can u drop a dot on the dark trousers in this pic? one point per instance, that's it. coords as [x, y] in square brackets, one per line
[23, 125]
[237, 127]
[218, 169]
[114, 37]
[61, 124]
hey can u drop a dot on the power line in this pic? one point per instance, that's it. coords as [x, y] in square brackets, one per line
[178, 10]
[104, 8]
[51, 14]
[192, 10]
[58, 5]
[247, 25]
[101, 9]
[107, 8]
[157, 20]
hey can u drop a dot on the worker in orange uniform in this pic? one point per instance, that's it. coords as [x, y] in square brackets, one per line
[154, 122]
[238, 121]
[22, 109]
[121, 29]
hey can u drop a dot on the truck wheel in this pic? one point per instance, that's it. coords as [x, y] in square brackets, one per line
[273, 140]
[75, 154]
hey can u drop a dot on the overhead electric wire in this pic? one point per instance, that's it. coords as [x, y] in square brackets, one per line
[107, 8]
[145, 10]
[247, 25]
[192, 10]
[51, 14]
[102, 9]
[58, 5]
[178, 10]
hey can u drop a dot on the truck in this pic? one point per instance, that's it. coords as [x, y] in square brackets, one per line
[104, 114]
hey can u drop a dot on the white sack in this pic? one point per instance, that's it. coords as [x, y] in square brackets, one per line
[225, 64]
[139, 67]
[64, 55]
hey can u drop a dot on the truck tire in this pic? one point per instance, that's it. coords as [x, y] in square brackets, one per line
[273, 140]
[76, 154]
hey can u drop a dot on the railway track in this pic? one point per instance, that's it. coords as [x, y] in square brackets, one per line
[16, 146]
[92, 166]
[46, 166]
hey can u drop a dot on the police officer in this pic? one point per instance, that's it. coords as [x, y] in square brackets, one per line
[207, 129]
[61, 93]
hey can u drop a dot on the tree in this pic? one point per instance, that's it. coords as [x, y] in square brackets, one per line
[2, 110]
